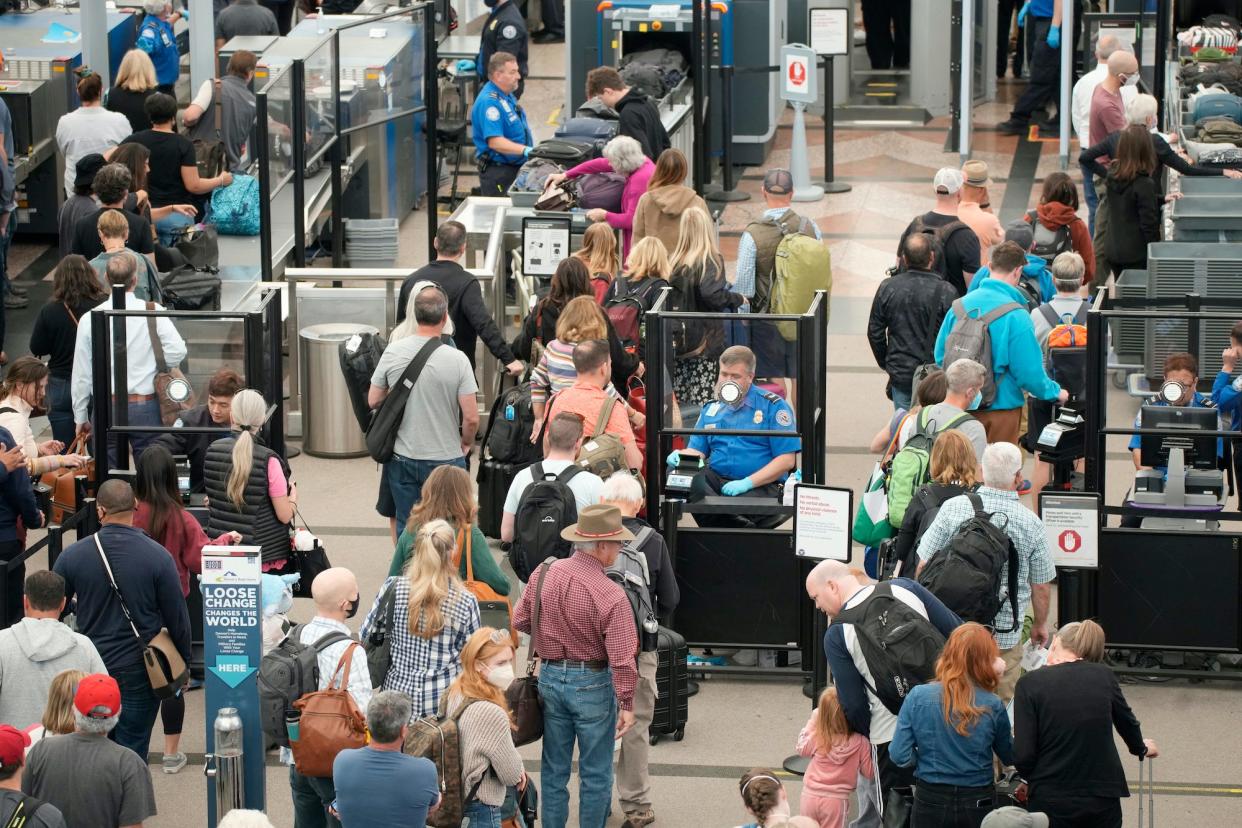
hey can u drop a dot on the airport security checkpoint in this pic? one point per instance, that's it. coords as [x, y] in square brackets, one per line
[620, 413]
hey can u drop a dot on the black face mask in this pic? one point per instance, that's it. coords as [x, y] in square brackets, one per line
[491, 4]
[353, 607]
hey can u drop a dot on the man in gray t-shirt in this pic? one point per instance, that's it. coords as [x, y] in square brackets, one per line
[965, 379]
[92, 780]
[441, 416]
[244, 17]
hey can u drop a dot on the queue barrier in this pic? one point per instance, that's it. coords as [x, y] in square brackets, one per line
[246, 340]
[739, 587]
[1154, 590]
[83, 522]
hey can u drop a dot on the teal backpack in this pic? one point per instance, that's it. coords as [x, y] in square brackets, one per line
[910, 469]
[235, 208]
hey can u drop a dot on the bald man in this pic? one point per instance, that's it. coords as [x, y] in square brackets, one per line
[854, 659]
[335, 593]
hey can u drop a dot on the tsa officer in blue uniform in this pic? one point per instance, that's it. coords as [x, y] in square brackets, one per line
[501, 135]
[754, 466]
[504, 31]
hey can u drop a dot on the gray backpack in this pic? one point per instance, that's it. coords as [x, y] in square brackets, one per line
[972, 339]
[631, 573]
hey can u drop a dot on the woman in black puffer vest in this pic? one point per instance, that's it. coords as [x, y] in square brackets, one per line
[245, 480]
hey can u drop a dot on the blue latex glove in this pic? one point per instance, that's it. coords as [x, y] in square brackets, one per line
[673, 459]
[1054, 37]
[738, 487]
[1026, 7]
[465, 66]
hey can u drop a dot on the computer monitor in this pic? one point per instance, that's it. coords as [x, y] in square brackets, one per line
[1200, 452]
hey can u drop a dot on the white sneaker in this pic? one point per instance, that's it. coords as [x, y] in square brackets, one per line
[174, 762]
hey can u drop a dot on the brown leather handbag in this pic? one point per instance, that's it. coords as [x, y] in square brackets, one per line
[64, 481]
[495, 610]
[523, 694]
[172, 389]
[330, 723]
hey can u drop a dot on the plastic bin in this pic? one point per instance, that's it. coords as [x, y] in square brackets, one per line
[329, 427]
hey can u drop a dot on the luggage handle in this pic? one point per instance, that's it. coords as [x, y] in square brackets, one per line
[1147, 770]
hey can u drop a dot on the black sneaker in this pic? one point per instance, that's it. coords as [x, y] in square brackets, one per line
[1013, 127]
[544, 37]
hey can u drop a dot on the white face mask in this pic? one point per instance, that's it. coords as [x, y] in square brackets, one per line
[1132, 80]
[501, 677]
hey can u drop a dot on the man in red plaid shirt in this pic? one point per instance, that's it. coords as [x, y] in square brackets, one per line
[587, 645]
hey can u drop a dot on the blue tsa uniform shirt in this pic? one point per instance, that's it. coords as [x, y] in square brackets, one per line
[496, 114]
[733, 457]
[504, 31]
[156, 38]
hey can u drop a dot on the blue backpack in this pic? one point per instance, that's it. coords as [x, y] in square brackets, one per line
[235, 208]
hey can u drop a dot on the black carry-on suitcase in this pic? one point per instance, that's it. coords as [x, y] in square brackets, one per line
[494, 480]
[672, 706]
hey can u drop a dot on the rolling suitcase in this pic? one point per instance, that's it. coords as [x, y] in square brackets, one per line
[1147, 771]
[594, 131]
[494, 479]
[672, 706]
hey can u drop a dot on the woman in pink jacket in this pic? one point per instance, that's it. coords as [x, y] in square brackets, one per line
[622, 155]
[837, 757]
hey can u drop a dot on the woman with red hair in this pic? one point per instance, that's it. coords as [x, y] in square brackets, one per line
[948, 730]
[490, 764]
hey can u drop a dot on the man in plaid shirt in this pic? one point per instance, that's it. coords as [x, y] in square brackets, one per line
[1002, 475]
[587, 644]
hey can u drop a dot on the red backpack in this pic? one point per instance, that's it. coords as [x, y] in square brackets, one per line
[626, 307]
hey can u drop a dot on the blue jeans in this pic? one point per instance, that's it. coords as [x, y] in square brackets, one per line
[406, 478]
[60, 409]
[139, 707]
[142, 413]
[311, 798]
[1090, 196]
[170, 226]
[901, 399]
[578, 705]
[481, 815]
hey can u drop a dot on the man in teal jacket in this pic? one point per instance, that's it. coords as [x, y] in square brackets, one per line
[1017, 361]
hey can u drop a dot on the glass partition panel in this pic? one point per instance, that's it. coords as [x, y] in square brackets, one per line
[320, 68]
[382, 67]
[279, 156]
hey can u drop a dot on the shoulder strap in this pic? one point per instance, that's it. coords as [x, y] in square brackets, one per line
[219, 103]
[1050, 316]
[568, 473]
[343, 668]
[117, 590]
[959, 310]
[328, 639]
[412, 371]
[999, 311]
[892, 443]
[158, 347]
[1080, 318]
[536, 471]
[605, 414]
[27, 807]
[468, 551]
[976, 503]
[534, 618]
[69, 311]
[8, 409]
[957, 420]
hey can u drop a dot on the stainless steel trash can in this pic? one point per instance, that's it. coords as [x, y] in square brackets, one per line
[329, 427]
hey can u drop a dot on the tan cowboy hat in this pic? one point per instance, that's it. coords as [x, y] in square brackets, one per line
[976, 174]
[601, 522]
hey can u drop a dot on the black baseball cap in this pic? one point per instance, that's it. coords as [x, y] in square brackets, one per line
[87, 166]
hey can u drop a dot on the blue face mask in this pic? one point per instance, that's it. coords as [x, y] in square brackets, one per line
[974, 404]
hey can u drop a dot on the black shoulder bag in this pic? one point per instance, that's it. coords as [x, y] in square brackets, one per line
[386, 420]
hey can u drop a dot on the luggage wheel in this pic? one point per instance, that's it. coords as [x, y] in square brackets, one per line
[679, 735]
[654, 739]
[1119, 380]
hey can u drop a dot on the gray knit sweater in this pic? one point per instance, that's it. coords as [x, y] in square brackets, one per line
[486, 750]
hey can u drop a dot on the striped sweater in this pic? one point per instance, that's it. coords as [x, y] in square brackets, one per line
[555, 372]
[486, 750]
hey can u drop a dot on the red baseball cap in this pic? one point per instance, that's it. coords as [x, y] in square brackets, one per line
[13, 744]
[98, 691]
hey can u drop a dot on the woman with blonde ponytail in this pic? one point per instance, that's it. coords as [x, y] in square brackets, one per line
[250, 489]
[433, 616]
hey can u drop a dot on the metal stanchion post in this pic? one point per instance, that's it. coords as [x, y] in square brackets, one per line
[430, 97]
[728, 194]
[829, 184]
[696, 97]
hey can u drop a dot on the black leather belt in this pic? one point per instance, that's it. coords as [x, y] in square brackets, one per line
[594, 666]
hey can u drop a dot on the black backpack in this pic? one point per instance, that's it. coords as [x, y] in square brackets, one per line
[899, 645]
[359, 356]
[287, 672]
[381, 431]
[1050, 243]
[1030, 289]
[688, 335]
[510, 427]
[966, 574]
[939, 239]
[545, 508]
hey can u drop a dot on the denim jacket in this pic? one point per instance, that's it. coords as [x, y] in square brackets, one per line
[937, 752]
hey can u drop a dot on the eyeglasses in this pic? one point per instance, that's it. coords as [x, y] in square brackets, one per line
[501, 637]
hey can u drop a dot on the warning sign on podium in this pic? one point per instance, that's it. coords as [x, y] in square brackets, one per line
[799, 75]
[1072, 527]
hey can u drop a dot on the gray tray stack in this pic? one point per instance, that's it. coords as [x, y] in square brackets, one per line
[371, 242]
